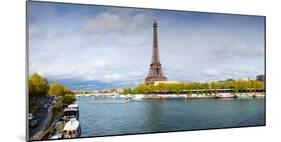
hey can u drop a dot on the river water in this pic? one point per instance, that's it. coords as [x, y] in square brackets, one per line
[108, 116]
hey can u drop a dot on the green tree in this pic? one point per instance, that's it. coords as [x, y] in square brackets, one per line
[67, 90]
[57, 90]
[127, 90]
[68, 99]
[37, 86]
[189, 92]
[236, 89]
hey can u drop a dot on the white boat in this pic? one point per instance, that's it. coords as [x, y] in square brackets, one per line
[74, 106]
[225, 95]
[243, 96]
[116, 96]
[259, 95]
[72, 129]
[72, 111]
[58, 136]
[123, 96]
[138, 97]
[128, 99]
[173, 96]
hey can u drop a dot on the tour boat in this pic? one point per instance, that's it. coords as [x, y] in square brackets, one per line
[72, 111]
[74, 106]
[122, 96]
[225, 95]
[138, 97]
[72, 129]
[243, 96]
[58, 136]
[259, 95]
[127, 99]
[116, 96]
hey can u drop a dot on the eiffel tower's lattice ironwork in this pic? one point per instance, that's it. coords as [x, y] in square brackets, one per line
[155, 70]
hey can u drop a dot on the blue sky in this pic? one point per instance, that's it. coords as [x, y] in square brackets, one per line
[94, 47]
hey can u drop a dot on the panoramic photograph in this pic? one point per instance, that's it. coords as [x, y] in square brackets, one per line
[103, 71]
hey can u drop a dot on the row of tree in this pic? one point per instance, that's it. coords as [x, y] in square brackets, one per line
[38, 86]
[199, 88]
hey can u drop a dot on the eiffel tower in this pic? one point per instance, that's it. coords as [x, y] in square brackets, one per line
[155, 71]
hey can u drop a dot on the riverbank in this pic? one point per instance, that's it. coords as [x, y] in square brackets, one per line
[178, 96]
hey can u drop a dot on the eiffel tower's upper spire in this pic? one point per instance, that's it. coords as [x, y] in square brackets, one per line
[155, 23]
[155, 52]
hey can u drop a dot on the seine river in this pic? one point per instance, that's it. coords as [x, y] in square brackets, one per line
[108, 116]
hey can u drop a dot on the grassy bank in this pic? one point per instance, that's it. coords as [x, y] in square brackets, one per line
[195, 87]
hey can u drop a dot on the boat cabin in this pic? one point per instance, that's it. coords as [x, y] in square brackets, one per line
[72, 111]
[72, 129]
[69, 113]
[74, 106]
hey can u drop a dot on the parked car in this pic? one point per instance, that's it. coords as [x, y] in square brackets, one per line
[30, 116]
[46, 105]
[33, 123]
[50, 103]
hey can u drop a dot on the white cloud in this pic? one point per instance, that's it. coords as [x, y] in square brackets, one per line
[115, 23]
[104, 22]
[211, 72]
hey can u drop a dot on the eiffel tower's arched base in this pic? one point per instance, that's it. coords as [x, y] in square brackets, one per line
[152, 79]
